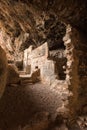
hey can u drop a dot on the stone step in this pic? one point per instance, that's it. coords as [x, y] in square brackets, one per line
[22, 72]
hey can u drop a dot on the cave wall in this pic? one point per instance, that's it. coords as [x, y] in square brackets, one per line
[12, 75]
[30, 18]
[3, 71]
[12, 45]
[14, 13]
[5, 43]
[38, 58]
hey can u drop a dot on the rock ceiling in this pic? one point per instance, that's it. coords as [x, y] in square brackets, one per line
[32, 22]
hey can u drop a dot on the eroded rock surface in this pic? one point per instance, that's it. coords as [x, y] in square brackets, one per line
[12, 75]
[3, 71]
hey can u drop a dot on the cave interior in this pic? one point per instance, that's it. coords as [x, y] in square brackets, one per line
[43, 65]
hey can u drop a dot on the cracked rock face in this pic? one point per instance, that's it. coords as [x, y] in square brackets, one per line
[40, 20]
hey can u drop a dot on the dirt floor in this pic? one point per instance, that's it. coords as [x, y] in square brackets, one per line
[20, 103]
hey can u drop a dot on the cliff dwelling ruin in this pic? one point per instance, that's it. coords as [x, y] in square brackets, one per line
[43, 65]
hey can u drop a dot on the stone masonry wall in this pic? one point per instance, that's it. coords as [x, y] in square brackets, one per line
[76, 75]
[60, 60]
[80, 52]
[81, 49]
[71, 71]
[37, 58]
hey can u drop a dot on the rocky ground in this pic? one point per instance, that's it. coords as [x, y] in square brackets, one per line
[32, 107]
